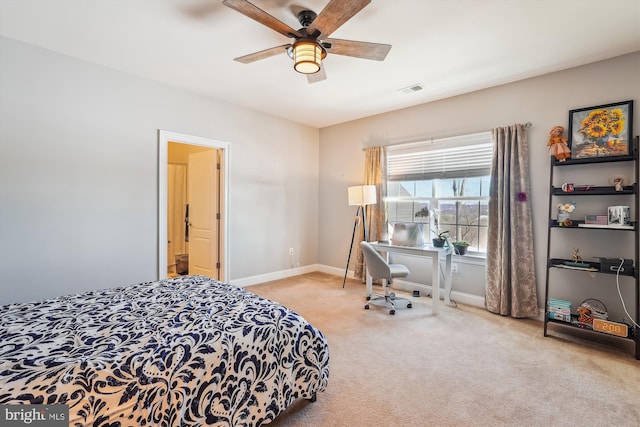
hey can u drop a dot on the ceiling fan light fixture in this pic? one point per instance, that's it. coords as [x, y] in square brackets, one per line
[308, 56]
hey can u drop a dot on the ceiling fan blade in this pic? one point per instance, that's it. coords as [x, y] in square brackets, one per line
[317, 77]
[254, 12]
[365, 50]
[336, 13]
[252, 57]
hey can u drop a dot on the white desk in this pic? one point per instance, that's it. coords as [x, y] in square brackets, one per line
[436, 255]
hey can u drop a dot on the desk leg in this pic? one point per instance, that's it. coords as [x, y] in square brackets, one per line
[447, 280]
[435, 285]
[368, 282]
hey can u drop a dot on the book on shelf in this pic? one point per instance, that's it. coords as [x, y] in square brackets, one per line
[615, 227]
[596, 219]
[558, 304]
[571, 267]
[559, 310]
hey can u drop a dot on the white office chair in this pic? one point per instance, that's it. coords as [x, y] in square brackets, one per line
[380, 269]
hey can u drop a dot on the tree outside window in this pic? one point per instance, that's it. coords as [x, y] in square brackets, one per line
[457, 205]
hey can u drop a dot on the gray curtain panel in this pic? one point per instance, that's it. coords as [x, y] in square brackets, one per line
[511, 279]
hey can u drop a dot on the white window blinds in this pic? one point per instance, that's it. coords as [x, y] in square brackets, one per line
[456, 157]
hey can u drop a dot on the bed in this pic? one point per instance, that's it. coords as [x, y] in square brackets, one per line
[187, 351]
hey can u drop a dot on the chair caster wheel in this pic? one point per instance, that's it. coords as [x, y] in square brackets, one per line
[369, 298]
[409, 305]
[392, 312]
[392, 295]
[366, 307]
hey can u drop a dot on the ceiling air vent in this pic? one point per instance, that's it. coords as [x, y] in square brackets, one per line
[411, 89]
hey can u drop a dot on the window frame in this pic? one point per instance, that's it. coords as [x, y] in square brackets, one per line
[434, 201]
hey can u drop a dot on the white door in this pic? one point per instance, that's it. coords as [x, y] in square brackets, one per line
[203, 210]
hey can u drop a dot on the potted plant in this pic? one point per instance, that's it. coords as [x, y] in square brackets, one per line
[440, 239]
[461, 247]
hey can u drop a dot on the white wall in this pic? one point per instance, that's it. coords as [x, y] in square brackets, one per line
[78, 176]
[544, 101]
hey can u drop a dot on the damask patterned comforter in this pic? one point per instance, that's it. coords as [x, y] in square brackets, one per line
[188, 351]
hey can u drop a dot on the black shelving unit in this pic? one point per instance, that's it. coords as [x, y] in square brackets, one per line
[595, 267]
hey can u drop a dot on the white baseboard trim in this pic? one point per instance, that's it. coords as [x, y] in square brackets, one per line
[461, 297]
[335, 271]
[276, 275]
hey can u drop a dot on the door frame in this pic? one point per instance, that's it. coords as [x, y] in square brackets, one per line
[164, 137]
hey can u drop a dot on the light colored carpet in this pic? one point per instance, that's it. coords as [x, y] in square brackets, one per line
[464, 367]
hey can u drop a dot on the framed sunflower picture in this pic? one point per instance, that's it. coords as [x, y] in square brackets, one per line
[601, 131]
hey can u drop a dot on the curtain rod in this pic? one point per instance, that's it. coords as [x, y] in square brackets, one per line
[409, 141]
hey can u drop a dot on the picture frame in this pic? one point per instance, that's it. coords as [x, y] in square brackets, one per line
[601, 131]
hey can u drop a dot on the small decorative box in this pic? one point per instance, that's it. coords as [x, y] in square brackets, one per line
[619, 215]
[611, 265]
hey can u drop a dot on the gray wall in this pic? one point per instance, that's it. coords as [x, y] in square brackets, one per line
[78, 170]
[78, 176]
[544, 101]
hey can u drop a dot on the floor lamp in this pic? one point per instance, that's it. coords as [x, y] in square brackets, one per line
[361, 196]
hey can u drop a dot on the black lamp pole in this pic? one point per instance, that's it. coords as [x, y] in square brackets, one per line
[361, 209]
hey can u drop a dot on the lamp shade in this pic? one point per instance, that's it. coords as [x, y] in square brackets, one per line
[307, 56]
[362, 195]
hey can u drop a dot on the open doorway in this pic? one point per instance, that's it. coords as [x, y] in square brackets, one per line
[193, 194]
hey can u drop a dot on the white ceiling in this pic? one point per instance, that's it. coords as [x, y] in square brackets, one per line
[450, 47]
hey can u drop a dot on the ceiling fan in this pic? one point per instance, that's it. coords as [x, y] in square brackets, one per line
[311, 43]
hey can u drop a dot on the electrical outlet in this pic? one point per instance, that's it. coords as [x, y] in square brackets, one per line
[290, 251]
[454, 267]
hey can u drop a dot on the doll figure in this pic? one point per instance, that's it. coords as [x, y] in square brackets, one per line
[557, 144]
[618, 183]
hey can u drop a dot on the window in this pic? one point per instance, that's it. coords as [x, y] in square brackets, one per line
[443, 184]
